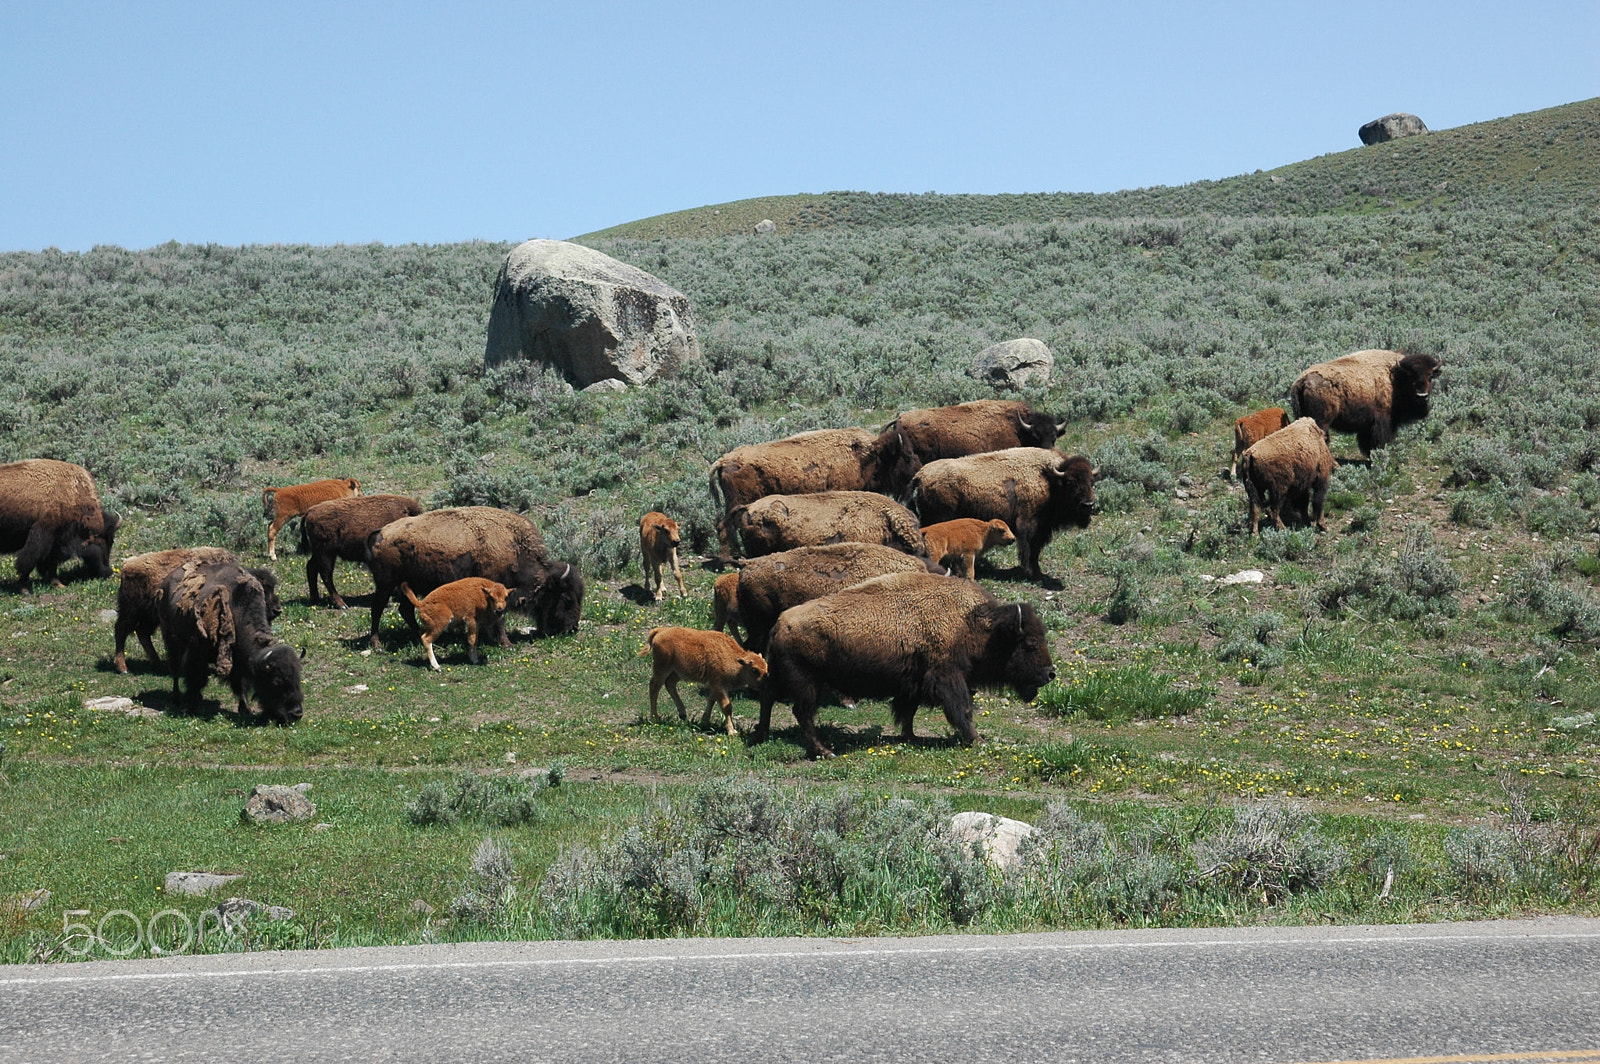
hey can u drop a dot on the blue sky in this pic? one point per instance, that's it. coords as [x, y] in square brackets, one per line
[400, 122]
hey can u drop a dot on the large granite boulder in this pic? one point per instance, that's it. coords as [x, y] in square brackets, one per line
[1014, 363]
[588, 315]
[1391, 127]
[271, 803]
[1000, 837]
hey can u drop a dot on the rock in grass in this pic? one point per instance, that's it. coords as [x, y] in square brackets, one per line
[274, 804]
[197, 883]
[234, 913]
[1391, 127]
[1014, 363]
[1001, 837]
[588, 315]
[765, 226]
[26, 902]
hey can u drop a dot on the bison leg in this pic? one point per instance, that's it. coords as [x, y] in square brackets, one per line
[672, 689]
[313, 569]
[677, 573]
[969, 566]
[380, 602]
[905, 711]
[764, 721]
[658, 676]
[1319, 496]
[471, 624]
[805, 715]
[956, 699]
[654, 568]
[36, 554]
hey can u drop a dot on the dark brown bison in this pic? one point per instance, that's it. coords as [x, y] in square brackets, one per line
[340, 528]
[50, 512]
[284, 504]
[1253, 427]
[1291, 466]
[768, 586]
[1370, 393]
[975, 427]
[440, 546]
[139, 594]
[1034, 490]
[214, 614]
[783, 522]
[914, 638]
[824, 460]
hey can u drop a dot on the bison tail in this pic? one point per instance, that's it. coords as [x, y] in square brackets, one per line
[266, 502]
[411, 596]
[649, 643]
[717, 498]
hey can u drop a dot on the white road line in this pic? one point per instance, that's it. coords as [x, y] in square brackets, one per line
[816, 954]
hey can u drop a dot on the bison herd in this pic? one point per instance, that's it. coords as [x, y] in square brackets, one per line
[840, 539]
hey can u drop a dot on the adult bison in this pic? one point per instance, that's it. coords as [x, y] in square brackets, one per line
[824, 460]
[783, 522]
[1370, 393]
[1035, 490]
[975, 427]
[768, 586]
[214, 613]
[340, 528]
[139, 595]
[914, 638]
[1291, 466]
[440, 546]
[50, 512]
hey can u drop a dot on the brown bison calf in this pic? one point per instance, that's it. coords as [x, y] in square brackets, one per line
[1369, 393]
[709, 658]
[139, 595]
[283, 505]
[1252, 428]
[965, 538]
[658, 543]
[725, 605]
[1292, 465]
[479, 605]
[340, 528]
[50, 512]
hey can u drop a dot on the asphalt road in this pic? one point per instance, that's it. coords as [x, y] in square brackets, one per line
[1513, 991]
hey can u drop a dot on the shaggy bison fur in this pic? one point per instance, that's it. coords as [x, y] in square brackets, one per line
[975, 427]
[709, 658]
[768, 586]
[783, 522]
[214, 614]
[725, 605]
[1034, 490]
[1253, 427]
[1291, 466]
[439, 546]
[339, 528]
[139, 594]
[50, 512]
[913, 638]
[1370, 393]
[283, 505]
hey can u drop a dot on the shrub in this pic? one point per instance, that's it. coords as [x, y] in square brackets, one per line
[1253, 641]
[1472, 509]
[499, 800]
[490, 886]
[1119, 694]
[1270, 850]
[1481, 860]
[1419, 584]
[1275, 545]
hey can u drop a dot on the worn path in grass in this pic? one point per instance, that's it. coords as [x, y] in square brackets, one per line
[1523, 990]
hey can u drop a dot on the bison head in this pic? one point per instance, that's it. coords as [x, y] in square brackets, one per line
[1071, 492]
[893, 465]
[275, 676]
[95, 547]
[1413, 387]
[1035, 429]
[555, 603]
[1018, 651]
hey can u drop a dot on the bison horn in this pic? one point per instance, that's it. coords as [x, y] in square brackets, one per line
[1061, 427]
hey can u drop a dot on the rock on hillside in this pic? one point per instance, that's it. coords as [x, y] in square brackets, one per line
[588, 315]
[1391, 127]
[1014, 363]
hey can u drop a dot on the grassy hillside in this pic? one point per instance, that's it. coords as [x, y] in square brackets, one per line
[1422, 676]
[1547, 157]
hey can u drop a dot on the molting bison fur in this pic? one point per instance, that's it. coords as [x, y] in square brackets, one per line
[783, 522]
[1034, 490]
[768, 586]
[340, 528]
[139, 594]
[1370, 393]
[1292, 465]
[215, 614]
[975, 427]
[440, 546]
[913, 638]
[50, 512]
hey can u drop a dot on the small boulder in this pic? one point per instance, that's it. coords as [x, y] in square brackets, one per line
[1014, 363]
[234, 913]
[1244, 576]
[1001, 837]
[197, 883]
[588, 315]
[609, 386]
[1391, 127]
[765, 226]
[274, 804]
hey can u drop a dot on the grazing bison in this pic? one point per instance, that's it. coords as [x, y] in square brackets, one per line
[768, 586]
[283, 505]
[783, 522]
[824, 460]
[964, 539]
[139, 595]
[913, 638]
[658, 544]
[972, 428]
[1290, 466]
[725, 605]
[709, 658]
[439, 546]
[339, 528]
[215, 614]
[1034, 490]
[1370, 393]
[1252, 427]
[50, 512]
[479, 605]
